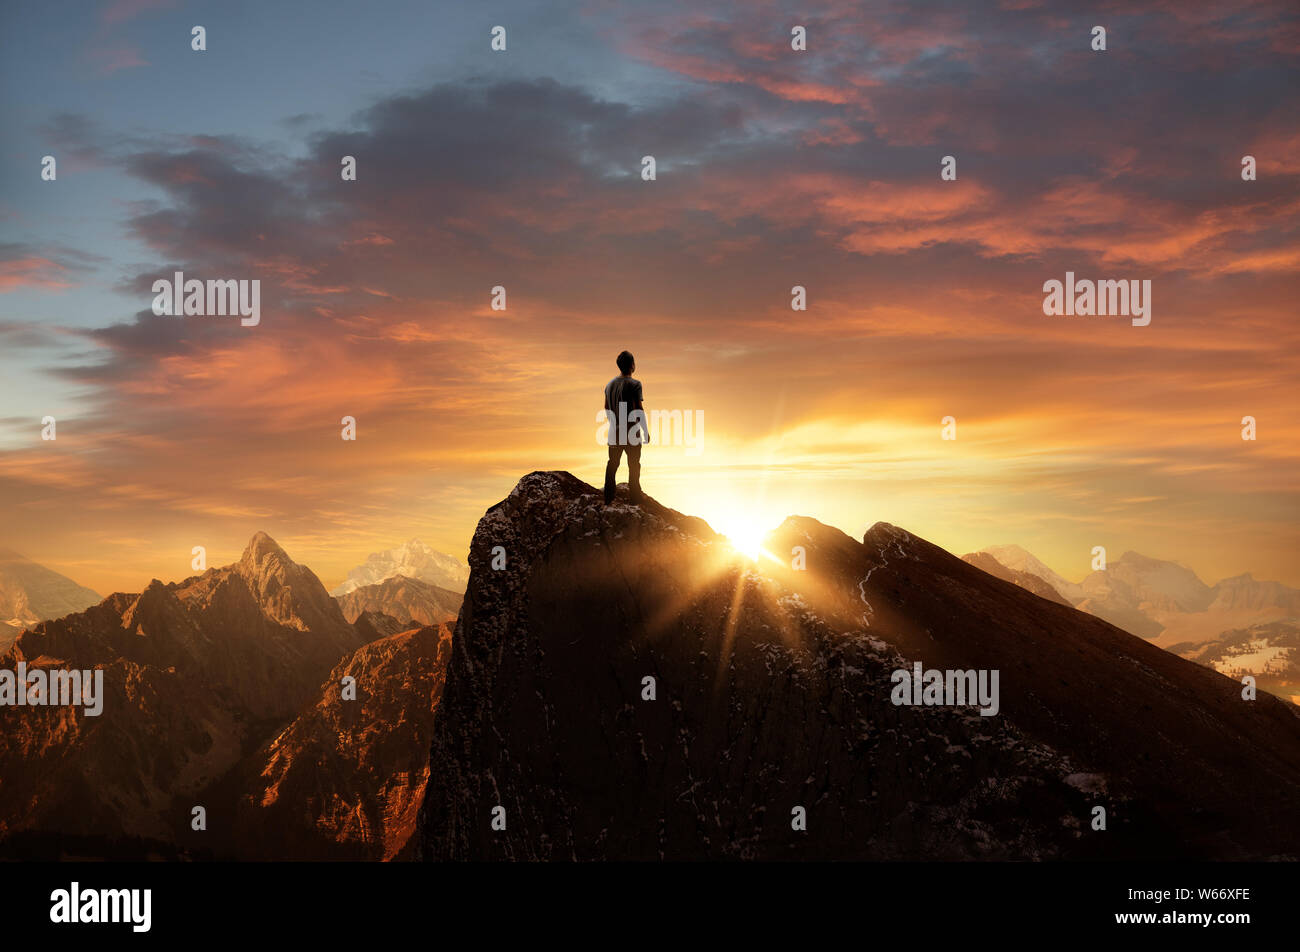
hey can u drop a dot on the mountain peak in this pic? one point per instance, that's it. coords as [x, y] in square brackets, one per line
[412, 559]
[1019, 559]
[887, 528]
[1131, 557]
[803, 525]
[286, 592]
[887, 534]
[262, 547]
[986, 562]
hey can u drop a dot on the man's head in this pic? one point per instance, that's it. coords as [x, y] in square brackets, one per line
[626, 362]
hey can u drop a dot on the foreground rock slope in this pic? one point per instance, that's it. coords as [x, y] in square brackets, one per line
[772, 693]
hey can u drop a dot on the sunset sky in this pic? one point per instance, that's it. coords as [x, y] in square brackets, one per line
[522, 168]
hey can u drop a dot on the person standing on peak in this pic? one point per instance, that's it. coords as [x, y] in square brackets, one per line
[627, 428]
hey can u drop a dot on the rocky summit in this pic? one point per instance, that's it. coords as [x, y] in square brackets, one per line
[623, 685]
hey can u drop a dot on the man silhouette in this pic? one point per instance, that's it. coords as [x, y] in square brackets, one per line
[627, 430]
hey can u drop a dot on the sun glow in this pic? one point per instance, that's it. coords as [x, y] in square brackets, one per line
[745, 535]
[744, 517]
[747, 540]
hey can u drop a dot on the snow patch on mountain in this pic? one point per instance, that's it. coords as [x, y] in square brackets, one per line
[414, 560]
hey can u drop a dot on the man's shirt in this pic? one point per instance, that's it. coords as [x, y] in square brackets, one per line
[626, 423]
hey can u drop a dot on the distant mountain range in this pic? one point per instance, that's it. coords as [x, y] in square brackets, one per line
[1239, 623]
[30, 593]
[629, 687]
[411, 560]
[205, 681]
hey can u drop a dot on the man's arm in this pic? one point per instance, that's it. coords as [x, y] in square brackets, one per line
[645, 420]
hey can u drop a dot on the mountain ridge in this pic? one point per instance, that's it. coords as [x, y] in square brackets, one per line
[774, 687]
[404, 598]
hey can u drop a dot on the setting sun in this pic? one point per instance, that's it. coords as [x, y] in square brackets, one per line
[743, 511]
[745, 539]
[745, 533]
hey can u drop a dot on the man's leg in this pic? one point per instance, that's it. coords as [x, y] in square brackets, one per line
[611, 471]
[634, 473]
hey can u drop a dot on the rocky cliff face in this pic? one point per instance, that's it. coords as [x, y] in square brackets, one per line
[115, 775]
[771, 695]
[346, 777]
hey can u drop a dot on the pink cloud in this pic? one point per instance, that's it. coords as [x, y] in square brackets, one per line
[119, 11]
[31, 272]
